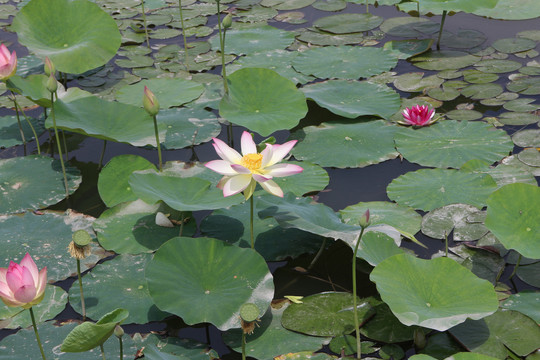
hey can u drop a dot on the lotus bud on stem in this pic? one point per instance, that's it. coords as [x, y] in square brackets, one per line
[151, 105]
[79, 248]
[49, 68]
[119, 332]
[364, 222]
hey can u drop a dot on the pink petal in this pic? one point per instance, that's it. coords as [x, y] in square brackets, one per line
[247, 144]
[4, 289]
[3, 272]
[236, 184]
[280, 151]
[42, 282]
[4, 54]
[29, 263]
[281, 170]
[222, 167]
[272, 188]
[260, 178]
[25, 294]
[225, 152]
[9, 300]
[240, 169]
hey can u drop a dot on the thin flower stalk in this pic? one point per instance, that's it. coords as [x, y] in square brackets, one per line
[186, 55]
[145, 25]
[151, 105]
[364, 222]
[37, 334]
[222, 47]
[17, 109]
[52, 113]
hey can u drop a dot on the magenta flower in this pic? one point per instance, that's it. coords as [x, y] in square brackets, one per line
[418, 116]
[8, 63]
[243, 172]
[22, 285]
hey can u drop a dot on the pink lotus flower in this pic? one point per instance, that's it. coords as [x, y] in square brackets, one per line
[8, 63]
[418, 116]
[22, 285]
[243, 172]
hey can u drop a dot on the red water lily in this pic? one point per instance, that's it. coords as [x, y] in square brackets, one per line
[418, 115]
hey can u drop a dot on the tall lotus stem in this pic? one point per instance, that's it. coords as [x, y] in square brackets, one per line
[17, 108]
[364, 222]
[36, 332]
[367, 6]
[151, 105]
[515, 267]
[52, 86]
[102, 351]
[222, 45]
[251, 223]
[186, 55]
[18, 119]
[440, 30]
[243, 345]
[119, 332]
[144, 23]
[83, 305]
[79, 248]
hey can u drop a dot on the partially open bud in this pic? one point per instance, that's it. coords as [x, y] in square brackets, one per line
[364, 220]
[227, 21]
[79, 248]
[49, 67]
[8, 63]
[118, 331]
[150, 103]
[52, 85]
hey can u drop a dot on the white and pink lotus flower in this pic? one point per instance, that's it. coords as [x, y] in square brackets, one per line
[22, 284]
[8, 63]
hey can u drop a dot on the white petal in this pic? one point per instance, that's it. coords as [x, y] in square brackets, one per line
[281, 170]
[267, 155]
[280, 151]
[236, 184]
[272, 188]
[225, 152]
[261, 178]
[247, 144]
[222, 167]
[240, 169]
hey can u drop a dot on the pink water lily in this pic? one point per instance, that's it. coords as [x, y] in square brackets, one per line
[22, 284]
[243, 171]
[418, 116]
[8, 63]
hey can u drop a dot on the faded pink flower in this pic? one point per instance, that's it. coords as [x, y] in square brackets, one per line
[418, 116]
[8, 63]
[22, 284]
[243, 172]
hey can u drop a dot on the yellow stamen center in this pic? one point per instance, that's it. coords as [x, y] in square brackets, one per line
[252, 161]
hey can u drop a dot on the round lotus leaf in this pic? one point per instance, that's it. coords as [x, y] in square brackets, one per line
[53, 303]
[347, 343]
[416, 82]
[313, 178]
[522, 105]
[497, 66]
[405, 49]
[463, 39]
[470, 356]
[106, 120]
[512, 218]
[342, 145]
[513, 45]
[192, 278]
[287, 4]
[464, 115]
[168, 92]
[330, 5]
[269, 332]
[348, 23]
[525, 85]
[530, 157]
[495, 334]
[409, 27]
[527, 138]
[436, 7]
[511, 10]
[10, 134]
[117, 281]
[255, 39]
[46, 237]
[353, 99]
[526, 302]
[428, 189]
[503, 174]
[460, 218]
[441, 295]
[33, 182]
[444, 60]
[482, 91]
[383, 212]
[273, 242]
[263, 101]
[84, 37]
[530, 70]
[385, 327]
[326, 314]
[322, 38]
[479, 77]
[530, 274]
[375, 247]
[113, 185]
[443, 93]
[452, 143]
[344, 62]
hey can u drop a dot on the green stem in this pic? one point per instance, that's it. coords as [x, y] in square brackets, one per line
[81, 289]
[222, 45]
[319, 253]
[243, 345]
[59, 146]
[102, 351]
[17, 107]
[515, 267]
[356, 323]
[367, 7]
[36, 332]
[445, 244]
[158, 144]
[251, 222]
[144, 22]
[100, 164]
[440, 30]
[184, 35]
[65, 145]
[181, 225]
[121, 348]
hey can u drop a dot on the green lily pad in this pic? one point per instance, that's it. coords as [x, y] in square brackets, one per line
[173, 348]
[444, 60]
[453, 143]
[322, 38]
[444, 93]
[526, 302]
[478, 77]
[375, 247]
[463, 39]
[408, 48]
[428, 189]
[464, 115]
[514, 45]
[510, 10]
[330, 5]
[527, 138]
[525, 85]
[169, 92]
[306, 355]
[416, 82]
[117, 281]
[503, 174]
[460, 218]
[313, 178]
[530, 157]
[263, 101]
[385, 327]
[353, 99]
[482, 263]
[482, 91]
[53, 303]
[33, 182]
[342, 145]
[409, 27]
[46, 237]
[437, 7]
[442, 295]
[10, 134]
[529, 274]
[287, 4]
[344, 62]
[84, 37]
[521, 105]
[252, 40]
[268, 333]
[326, 314]
[348, 23]
[494, 334]
[347, 344]
[106, 120]
[512, 217]
[518, 118]
[192, 277]
[497, 66]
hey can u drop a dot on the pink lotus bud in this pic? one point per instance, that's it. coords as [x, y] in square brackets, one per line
[52, 84]
[22, 284]
[150, 103]
[49, 67]
[364, 220]
[8, 63]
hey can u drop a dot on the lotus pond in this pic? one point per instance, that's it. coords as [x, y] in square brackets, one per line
[290, 210]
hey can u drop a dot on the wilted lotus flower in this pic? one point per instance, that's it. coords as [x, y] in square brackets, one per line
[8, 63]
[418, 116]
[22, 285]
[243, 172]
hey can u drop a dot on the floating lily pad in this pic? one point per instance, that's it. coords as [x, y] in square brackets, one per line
[510, 10]
[252, 40]
[353, 99]
[287, 4]
[503, 174]
[437, 7]
[442, 295]
[416, 82]
[348, 23]
[84, 37]
[313, 178]
[444, 60]
[514, 45]
[409, 27]
[376, 247]
[527, 138]
[344, 145]
[444, 93]
[386, 327]
[322, 38]
[263, 101]
[10, 134]
[408, 48]
[529, 274]
[479, 77]
[513, 219]
[169, 92]
[192, 277]
[173, 348]
[344, 62]
[462, 219]
[522, 105]
[525, 85]
[464, 115]
[33, 182]
[482, 91]
[117, 281]
[330, 5]
[530, 157]
[526, 302]
[428, 189]
[497, 66]
[463, 39]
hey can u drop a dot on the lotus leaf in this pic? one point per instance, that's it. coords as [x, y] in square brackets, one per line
[460, 218]
[252, 40]
[526, 302]
[348, 23]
